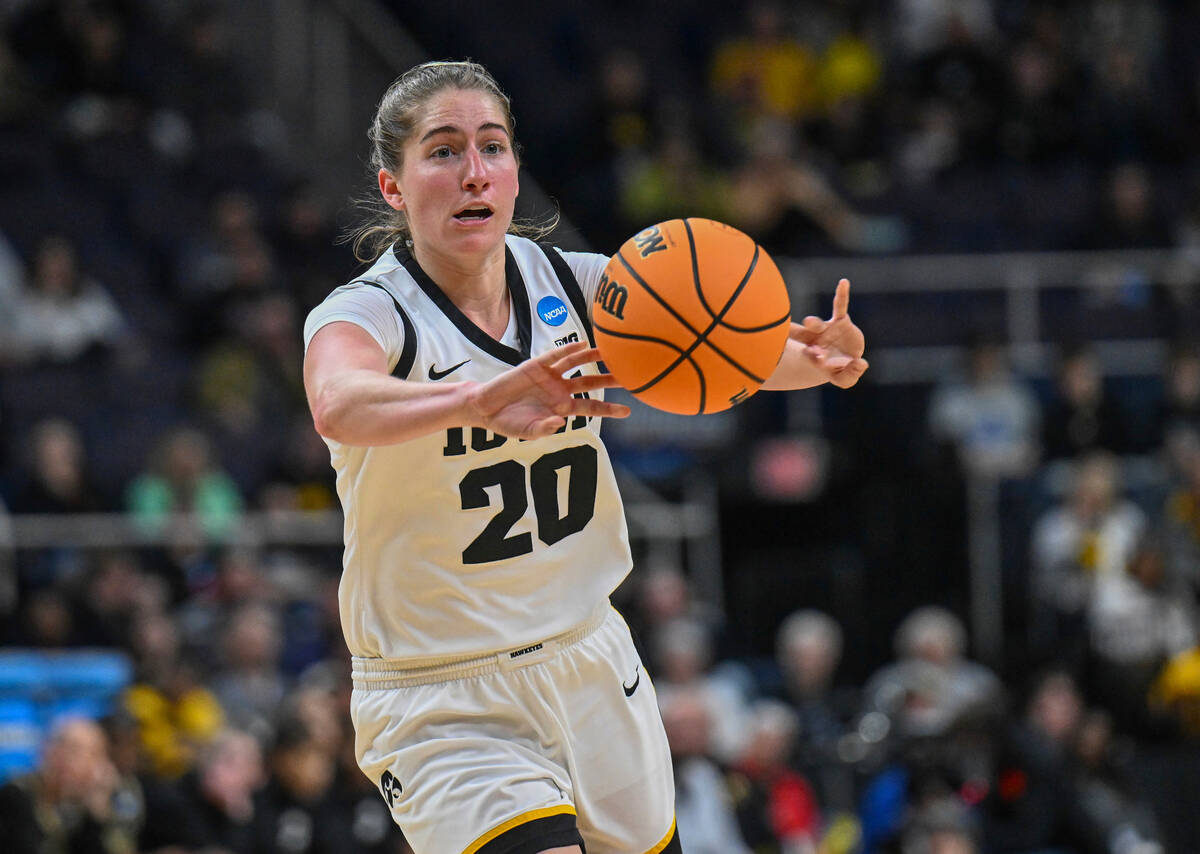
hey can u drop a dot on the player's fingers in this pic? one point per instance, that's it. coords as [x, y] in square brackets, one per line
[592, 382]
[837, 363]
[551, 357]
[578, 354]
[841, 299]
[851, 374]
[815, 324]
[544, 427]
[602, 408]
[798, 333]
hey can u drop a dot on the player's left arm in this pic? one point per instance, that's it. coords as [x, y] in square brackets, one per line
[820, 351]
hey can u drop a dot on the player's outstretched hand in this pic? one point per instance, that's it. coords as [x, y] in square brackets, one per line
[535, 398]
[835, 345]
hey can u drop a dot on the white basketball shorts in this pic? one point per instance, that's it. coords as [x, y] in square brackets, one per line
[556, 743]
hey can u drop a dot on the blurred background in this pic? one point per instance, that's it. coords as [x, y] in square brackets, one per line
[952, 610]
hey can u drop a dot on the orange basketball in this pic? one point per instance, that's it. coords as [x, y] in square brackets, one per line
[691, 316]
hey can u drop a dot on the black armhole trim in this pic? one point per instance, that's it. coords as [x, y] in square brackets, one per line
[408, 351]
[570, 284]
[485, 342]
[532, 837]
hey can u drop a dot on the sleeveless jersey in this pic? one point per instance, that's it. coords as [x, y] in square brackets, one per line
[464, 541]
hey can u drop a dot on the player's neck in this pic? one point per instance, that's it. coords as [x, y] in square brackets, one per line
[476, 285]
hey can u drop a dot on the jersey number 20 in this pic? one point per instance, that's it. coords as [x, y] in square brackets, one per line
[494, 541]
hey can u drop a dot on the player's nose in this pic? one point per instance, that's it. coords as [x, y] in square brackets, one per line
[474, 171]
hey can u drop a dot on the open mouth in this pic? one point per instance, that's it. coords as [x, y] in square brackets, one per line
[473, 215]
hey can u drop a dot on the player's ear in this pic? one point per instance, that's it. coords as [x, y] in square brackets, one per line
[390, 190]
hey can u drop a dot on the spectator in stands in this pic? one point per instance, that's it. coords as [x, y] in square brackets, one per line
[46, 620]
[216, 807]
[931, 686]
[684, 653]
[776, 807]
[109, 600]
[942, 826]
[1178, 416]
[305, 238]
[1088, 536]
[704, 812]
[1137, 621]
[1114, 818]
[12, 284]
[204, 85]
[619, 129]
[58, 480]
[17, 99]
[931, 146]
[300, 477]
[182, 478]
[783, 200]
[664, 594]
[925, 28]
[234, 577]
[67, 804]
[175, 712]
[1081, 415]
[1181, 518]
[250, 686]
[1176, 692]
[226, 269]
[249, 383]
[1128, 216]
[1040, 123]
[295, 814]
[808, 649]
[1123, 119]
[850, 129]
[990, 418]
[675, 181]
[765, 72]
[64, 316]
[1032, 807]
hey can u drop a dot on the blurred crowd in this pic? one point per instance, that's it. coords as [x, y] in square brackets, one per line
[160, 244]
[872, 127]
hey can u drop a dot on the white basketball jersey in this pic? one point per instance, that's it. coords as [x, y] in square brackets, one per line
[465, 541]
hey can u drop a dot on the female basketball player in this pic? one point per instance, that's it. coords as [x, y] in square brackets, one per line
[498, 700]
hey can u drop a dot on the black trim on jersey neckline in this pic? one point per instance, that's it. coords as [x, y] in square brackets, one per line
[485, 342]
[408, 350]
[570, 284]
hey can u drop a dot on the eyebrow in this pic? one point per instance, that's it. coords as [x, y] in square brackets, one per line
[453, 129]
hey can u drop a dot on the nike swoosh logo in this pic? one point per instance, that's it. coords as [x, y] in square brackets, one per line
[629, 689]
[435, 374]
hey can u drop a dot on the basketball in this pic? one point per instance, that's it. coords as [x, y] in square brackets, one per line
[691, 316]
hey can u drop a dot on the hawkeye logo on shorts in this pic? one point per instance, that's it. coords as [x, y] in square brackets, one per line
[552, 310]
[390, 787]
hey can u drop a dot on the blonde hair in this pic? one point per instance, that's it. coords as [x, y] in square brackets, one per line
[395, 120]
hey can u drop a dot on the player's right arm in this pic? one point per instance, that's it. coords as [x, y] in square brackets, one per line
[355, 401]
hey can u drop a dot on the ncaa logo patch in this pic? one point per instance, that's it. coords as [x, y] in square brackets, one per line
[552, 310]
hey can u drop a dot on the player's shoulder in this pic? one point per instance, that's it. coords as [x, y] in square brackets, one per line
[371, 299]
[383, 281]
[585, 267]
[524, 247]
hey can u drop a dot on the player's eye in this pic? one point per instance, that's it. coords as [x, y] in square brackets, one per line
[441, 152]
[492, 148]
